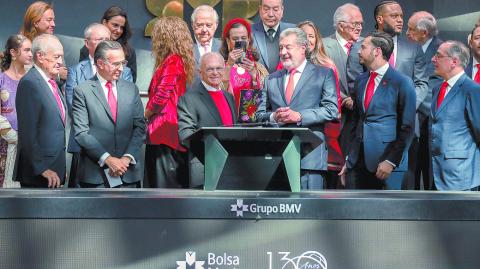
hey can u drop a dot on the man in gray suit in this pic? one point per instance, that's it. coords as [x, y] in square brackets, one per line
[348, 23]
[422, 29]
[301, 94]
[108, 123]
[85, 70]
[204, 24]
[455, 121]
[266, 32]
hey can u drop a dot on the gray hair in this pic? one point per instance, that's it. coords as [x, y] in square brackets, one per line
[205, 8]
[208, 55]
[427, 23]
[342, 13]
[88, 31]
[261, 2]
[458, 50]
[44, 43]
[103, 47]
[301, 40]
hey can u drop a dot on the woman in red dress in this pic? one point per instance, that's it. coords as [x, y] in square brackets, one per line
[165, 158]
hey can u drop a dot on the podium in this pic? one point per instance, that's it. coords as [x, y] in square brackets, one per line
[249, 158]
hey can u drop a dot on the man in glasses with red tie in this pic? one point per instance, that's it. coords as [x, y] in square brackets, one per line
[455, 121]
[108, 123]
[383, 121]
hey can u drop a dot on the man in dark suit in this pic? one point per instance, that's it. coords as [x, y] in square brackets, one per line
[455, 121]
[348, 22]
[267, 30]
[41, 113]
[205, 106]
[407, 57]
[422, 29]
[204, 24]
[85, 70]
[384, 120]
[301, 94]
[473, 67]
[108, 123]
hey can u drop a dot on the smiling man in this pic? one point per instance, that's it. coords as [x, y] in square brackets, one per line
[301, 94]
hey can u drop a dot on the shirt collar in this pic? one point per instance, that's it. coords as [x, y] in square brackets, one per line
[474, 61]
[104, 81]
[426, 44]
[301, 67]
[44, 76]
[274, 27]
[454, 79]
[209, 88]
[382, 70]
[199, 44]
[340, 39]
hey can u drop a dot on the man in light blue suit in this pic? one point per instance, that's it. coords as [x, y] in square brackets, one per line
[301, 94]
[204, 24]
[383, 122]
[266, 32]
[455, 121]
[85, 70]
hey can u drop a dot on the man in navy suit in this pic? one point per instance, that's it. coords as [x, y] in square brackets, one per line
[455, 121]
[85, 70]
[266, 32]
[42, 117]
[204, 24]
[422, 29]
[473, 66]
[384, 120]
[301, 94]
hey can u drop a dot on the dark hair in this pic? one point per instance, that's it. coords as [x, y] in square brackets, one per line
[224, 49]
[114, 11]
[103, 47]
[474, 28]
[379, 7]
[383, 41]
[14, 42]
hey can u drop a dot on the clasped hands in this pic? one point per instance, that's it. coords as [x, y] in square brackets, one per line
[118, 166]
[286, 115]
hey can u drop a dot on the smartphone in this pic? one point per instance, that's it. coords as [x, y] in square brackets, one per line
[241, 44]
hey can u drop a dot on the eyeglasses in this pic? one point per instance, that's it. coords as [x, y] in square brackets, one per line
[117, 65]
[212, 70]
[355, 25]
[439, 56]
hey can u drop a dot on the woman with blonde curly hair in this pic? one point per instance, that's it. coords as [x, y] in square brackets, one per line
[165, 158]
[332, 129]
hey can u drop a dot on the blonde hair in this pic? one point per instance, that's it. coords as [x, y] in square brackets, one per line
[171, 36]
[33, 14]
[318, 55]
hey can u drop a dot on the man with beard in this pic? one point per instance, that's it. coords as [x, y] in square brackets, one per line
[473, 66]
[383, 121]
[407, 58]
[301, 95]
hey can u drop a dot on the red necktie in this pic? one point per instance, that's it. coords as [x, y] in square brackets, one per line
[477, 76]
[57, 98]
[348, 45]
[370, 90]
[391, 61]
[112, 101]
[441, 94]
[290, 86]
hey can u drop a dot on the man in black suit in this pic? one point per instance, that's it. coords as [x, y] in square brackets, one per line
[42, 118]
[205, 106]
[473, 67]
[422, 29]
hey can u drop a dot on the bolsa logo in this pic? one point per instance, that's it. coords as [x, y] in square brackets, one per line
[306, 260]
[239, 208]
[190, 261]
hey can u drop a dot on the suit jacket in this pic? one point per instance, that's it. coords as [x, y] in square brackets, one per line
[76, 75]
[386, 128]
[410, 61]
[455, 137]
[216, 45]
[261, 44]
[469, 69]
[96, 133]
[41, 131]
[314, 97]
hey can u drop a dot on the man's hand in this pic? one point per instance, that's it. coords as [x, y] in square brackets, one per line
[52, 177]
[148, 114]
[347, 103]
[343, 174]
[286, 115]
[117, 166]
[384, 170]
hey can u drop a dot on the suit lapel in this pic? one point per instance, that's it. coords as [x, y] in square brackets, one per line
[307, 73]
[469, 69]
[282, 84]
[97, 90]
[361, 91]
[259, 36]
[210, 105]
[49, 95]
[381, 87]
[231, 104]
[122, 94]
[451, 94]
[86, 70]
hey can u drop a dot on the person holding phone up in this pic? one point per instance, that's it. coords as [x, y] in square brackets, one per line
[244, 74]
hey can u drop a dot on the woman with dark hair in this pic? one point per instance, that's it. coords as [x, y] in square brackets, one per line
[116, 20]
[165, 158]
[244, 75]
[332, 129]
[17, 54]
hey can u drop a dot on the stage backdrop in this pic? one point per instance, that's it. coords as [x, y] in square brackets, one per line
[456, 19]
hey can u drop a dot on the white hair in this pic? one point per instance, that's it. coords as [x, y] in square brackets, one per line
[205, 8]
[342, 13]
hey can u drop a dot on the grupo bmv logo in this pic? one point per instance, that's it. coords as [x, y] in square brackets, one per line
[240, 208]
[212, 261]
[306, 260]
[190, 261]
